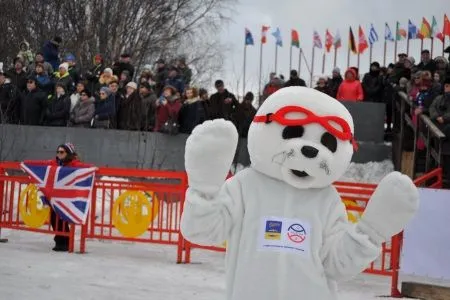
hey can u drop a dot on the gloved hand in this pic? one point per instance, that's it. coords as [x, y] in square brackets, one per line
[393, 204]
[210, 150]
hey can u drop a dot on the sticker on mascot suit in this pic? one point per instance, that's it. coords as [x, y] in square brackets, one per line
[284, 235]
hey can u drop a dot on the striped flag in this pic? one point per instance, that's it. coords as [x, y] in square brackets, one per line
[425, 29]
[264, 34]
[373, 36]
[388, 33]
[435, 32]
[362, 41]
[317, 41]
[400, 33]
[328, 40]
[277, 36]
[351, 41]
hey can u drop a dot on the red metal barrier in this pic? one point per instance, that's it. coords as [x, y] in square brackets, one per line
[167, 187]
[11, 186]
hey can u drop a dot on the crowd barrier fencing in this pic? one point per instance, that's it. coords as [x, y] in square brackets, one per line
[146, 206]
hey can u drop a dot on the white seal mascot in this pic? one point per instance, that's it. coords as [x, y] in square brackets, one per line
[287, 230]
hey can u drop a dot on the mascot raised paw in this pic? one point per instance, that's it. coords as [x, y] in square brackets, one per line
[287, 232]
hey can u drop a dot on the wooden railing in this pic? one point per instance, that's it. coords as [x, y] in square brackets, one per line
[424, 130]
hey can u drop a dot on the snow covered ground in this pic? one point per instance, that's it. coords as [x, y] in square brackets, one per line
[114, 270]
[117, 271]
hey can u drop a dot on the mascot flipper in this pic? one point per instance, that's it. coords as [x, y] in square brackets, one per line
[287, 229]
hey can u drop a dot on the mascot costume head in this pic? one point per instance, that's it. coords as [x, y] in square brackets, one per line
[287, 230]
[303, 137]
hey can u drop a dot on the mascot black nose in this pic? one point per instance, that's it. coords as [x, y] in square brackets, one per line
[309, 152]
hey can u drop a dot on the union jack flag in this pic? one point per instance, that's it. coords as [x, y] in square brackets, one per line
[67, 189]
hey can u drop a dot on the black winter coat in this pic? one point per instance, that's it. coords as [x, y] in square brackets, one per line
[9, 104]
[221, 110]
[33, 106]
[295, 82]
[19, 80]
[373, 87]
[58, 111]
[191, 115]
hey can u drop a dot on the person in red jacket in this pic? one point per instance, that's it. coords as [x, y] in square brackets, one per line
[350, 89]
[66, 157]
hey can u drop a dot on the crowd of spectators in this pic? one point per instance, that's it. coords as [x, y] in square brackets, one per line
[427, 83]
[42, 89]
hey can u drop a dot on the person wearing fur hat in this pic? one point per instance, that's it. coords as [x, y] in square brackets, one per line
[18, 74]
[105, 109]
[334, 82]
[51, 51]
[129, 115]
[167, 108]
[9, 100]
[83, 112]
[105, 79]
[66, 156]
[93, 75]
[373, 84]
[63, 76]
[148, 101]
[58, 111]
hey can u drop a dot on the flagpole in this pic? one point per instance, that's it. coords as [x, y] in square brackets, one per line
[348, 58]
[421, 45]
[290, 59]
[357, 64]
[306, 61]
[335, 57]
[312, 67]
[300, 62]
[276, 58]
[370, 54]
[443, 46]
[395, 51]
[245, 63]
[384, 55]
[323, 63]
[407, 46]
[432, 46]
[260, 69]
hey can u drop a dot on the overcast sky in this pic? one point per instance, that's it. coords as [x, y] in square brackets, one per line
[308, 15]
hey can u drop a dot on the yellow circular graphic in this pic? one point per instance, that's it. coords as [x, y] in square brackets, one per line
[353, 216]
[33, 211]
[133, 211]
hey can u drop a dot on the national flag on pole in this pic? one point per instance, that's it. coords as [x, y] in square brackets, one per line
[277, 35]
[316, 40]
[446, 31]
[351, 41]
[264, 34]
[337, 40]
[328, 40]
[67, 189]
[362, 41]
[373, 35]
[412, 31]
[435, 32]
[248, 38]
[425, 29]
[295, 39]
[388, 33]
[400, 33]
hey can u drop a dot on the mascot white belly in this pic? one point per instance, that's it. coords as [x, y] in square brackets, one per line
[287, 229]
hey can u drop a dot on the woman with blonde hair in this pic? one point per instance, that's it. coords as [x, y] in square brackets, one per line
[192, 113]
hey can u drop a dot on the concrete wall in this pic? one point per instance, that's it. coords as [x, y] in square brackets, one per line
[153, 150]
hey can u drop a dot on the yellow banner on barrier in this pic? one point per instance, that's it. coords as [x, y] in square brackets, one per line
[33, 211]
[133, 211]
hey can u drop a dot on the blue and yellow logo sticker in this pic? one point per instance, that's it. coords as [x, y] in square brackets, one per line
[273, 230]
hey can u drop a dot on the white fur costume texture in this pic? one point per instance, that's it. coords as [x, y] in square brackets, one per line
[286, 227]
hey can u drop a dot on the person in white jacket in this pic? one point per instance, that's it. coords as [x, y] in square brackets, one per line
[287, 232]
